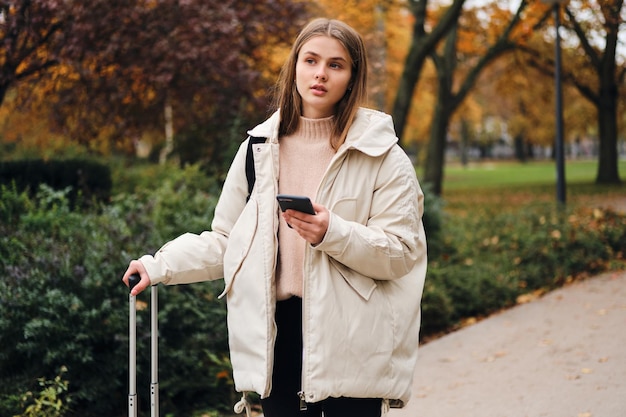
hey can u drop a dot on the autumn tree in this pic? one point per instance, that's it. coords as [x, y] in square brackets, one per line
[28, 30]
[124, 62]
[594, 70]
[371, 18]
[202, 59]
[474, 43]
[522, 97]
[423, 42]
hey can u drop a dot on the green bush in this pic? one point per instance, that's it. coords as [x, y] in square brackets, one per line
[62, 303]
[58, 304]
[490, 258]
[51, 401]
[433, 219]
[86, 179]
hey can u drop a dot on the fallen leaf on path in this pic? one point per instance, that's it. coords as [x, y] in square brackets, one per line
[469, 321]
[495, 356]
[528, 297]
[546, 342]
[525, 298]
[586, 371]
[424, 391]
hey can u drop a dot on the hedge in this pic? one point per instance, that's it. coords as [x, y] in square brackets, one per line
[86, 179]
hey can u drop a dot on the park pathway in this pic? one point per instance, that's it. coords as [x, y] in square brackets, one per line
[562, 355]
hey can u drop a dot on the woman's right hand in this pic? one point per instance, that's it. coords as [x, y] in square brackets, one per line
[136, 267]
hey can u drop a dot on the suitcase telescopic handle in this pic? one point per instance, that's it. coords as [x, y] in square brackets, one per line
[132, 281]
[132, 348]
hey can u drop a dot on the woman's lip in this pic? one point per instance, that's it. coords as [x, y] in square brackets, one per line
[318, 87]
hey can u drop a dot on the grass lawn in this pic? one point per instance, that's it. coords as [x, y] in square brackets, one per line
[514, 184]
[507, 174]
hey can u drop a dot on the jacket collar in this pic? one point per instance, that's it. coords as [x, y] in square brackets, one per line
[372, 132]
[267, 129]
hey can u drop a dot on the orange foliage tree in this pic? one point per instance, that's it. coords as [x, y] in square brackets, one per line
[595, 69]
[479, 37]
[122, 60]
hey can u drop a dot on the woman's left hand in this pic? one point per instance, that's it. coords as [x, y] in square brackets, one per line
[311, 228]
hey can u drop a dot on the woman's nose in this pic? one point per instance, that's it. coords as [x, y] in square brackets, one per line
[320, 75]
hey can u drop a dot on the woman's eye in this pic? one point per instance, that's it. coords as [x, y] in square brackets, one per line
[309, 61]
[335, 65]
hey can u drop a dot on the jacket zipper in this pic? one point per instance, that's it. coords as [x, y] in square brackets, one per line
[303, 405]
[301, 393]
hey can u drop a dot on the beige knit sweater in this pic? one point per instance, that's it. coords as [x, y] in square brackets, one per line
[303, 159]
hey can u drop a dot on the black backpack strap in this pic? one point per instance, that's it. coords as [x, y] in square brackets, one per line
[250, 174]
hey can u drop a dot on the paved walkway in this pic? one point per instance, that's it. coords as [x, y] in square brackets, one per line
[563, 355]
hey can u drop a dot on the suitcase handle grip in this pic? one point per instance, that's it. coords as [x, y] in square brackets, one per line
[133, 280]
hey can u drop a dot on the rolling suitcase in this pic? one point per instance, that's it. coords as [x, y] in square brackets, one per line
[132, 351]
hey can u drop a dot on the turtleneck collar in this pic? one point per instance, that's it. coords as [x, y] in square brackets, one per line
[313, 129]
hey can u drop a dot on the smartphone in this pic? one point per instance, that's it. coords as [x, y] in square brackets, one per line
[295, 202]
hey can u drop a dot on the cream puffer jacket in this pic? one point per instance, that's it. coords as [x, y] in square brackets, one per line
[362, 284]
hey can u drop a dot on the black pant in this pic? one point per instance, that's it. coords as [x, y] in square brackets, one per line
[286, 379]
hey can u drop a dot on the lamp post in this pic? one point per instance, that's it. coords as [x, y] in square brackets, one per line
[559, 146]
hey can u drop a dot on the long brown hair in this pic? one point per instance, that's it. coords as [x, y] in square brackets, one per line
[289, 102]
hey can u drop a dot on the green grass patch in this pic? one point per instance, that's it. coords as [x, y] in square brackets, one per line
[511, 186]
[506, 174]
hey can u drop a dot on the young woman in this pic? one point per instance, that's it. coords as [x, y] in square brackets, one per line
[324, 308]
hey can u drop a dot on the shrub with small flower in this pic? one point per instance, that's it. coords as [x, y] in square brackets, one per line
[490, 256]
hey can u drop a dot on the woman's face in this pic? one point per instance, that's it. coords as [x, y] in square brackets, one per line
[323, 73]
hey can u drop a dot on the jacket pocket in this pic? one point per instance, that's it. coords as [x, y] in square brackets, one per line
[362, 285]
[239, 243]
[346, 208]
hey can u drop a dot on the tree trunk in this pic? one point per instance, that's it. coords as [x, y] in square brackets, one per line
[465, 141]
[435, 160]
[412, 70]
[169, 131]
[605, 100]
[379, 64]
[3, 92]
[608, 171]
[520, 147]
[422, 44]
